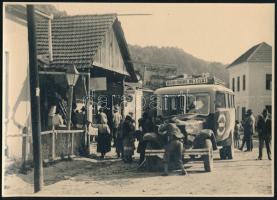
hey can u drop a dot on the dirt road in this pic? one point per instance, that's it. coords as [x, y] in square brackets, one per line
[89, 177]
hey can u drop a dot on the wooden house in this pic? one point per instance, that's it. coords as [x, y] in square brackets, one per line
[96, 45]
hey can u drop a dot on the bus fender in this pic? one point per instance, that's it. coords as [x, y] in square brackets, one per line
[208, 133]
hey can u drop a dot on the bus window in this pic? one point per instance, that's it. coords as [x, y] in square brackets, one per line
[220, 100]
[231, 101]
[190, 103]
[182, 104]
[227, 100]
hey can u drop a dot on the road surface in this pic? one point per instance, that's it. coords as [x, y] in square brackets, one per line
[90, 177]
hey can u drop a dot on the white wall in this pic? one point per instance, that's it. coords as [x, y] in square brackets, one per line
[259, 97]
[241, 96]
[17, 106]
[255, 96]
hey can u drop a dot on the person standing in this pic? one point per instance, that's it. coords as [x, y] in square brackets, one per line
[116, 122]
[264, 132]
[103, 116]
[146, 125]
[237, 134]
[119, 140]
[249, 128]
[128, 139]
[104, 137]
[174, 145]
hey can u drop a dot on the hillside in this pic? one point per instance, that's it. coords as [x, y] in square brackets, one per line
[185, 62]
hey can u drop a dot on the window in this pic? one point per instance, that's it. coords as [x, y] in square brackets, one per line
[243, 112]
[220, 100]
[228, 103]
[181, 104]
[238, 83]
[243, 82]
[233, 84]
[268, 82]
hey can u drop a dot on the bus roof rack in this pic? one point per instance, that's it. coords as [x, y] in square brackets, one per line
[194, 80]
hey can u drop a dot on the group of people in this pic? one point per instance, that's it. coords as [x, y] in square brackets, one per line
[174, 143]
[121, 133]
[249, 125]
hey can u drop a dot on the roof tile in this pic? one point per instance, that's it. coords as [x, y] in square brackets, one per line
[259, 53]
[75, 39]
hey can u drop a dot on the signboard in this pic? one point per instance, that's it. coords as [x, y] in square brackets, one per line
[97, 84]
[190, 81]
[194, 81]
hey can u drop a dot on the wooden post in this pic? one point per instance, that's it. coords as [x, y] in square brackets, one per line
[88, 115]
[72, 143]
[53, 152]
[35, 99]
[69, 111]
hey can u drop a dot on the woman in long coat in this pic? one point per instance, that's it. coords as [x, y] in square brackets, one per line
[103, 138]
[128, 139]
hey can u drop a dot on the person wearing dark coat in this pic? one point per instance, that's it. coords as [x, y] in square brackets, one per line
[146, 125]
[128, 129]
[264, 132]
[249, 129]
[103, 138]
[174, 145]
[119, 140]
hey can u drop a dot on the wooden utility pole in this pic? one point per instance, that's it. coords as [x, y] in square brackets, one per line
[35, 99]
[69, 113]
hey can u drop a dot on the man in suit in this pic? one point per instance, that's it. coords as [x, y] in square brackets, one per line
[264, 131]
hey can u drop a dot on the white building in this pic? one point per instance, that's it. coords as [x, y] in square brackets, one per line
[16, 99]
[250, 77]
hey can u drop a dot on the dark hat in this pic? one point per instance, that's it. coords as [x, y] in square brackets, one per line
[249, 111]
[128, 117]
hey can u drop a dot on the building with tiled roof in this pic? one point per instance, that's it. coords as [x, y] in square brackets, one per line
[250, 77]
[261, 52]
[79, 40]
[94, 44]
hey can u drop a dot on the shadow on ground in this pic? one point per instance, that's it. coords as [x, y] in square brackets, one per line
[91, 169]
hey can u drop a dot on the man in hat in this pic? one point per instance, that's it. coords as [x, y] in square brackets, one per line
[249, 128]
[174, 145]
[116, 122]
[264, 131]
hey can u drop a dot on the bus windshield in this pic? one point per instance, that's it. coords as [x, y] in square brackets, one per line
[185, 104]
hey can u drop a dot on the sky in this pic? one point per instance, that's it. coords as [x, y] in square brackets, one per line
[213, 32]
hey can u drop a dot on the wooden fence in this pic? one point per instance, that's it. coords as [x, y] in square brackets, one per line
[55, 144]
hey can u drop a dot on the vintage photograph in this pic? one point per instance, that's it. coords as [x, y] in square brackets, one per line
[138, 99]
